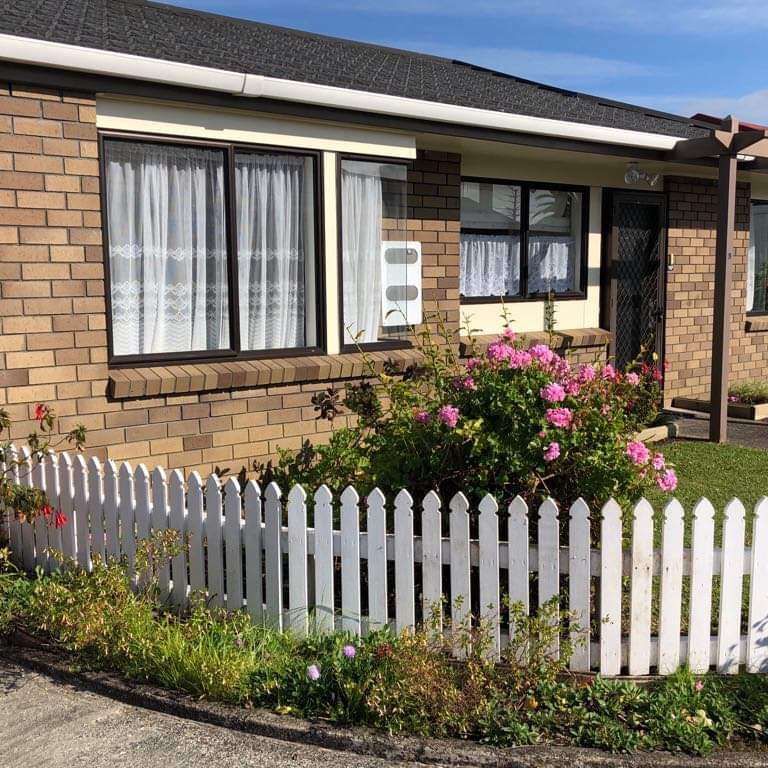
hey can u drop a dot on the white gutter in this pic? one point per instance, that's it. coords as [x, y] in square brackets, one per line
[40, 52]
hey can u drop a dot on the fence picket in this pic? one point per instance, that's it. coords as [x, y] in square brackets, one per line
[273, 559]
[159, 520]
[579, 584]
[757, 635]
[461, 596]
[16, 532]
[111, 503]
[96, 507]
[82, 531]
[350, 561]
[177, 522]
[40, 527]
[298, 601]
[432, 560]
[127, 514]
[405, 605]
[253, 574]
[731, 585]
[640, 589]
[142, 512]
[27, 531]
[196, 533]
[671, 588]
[67, 503]
[376, 524]
[488, 535]
[214, 541]
[610, 589]
[549, 561]
[324, 592]
[519, 569]
[53, 489]
[702, 544]
[233, 546]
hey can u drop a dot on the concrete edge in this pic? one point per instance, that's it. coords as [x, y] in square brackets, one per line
[657, 432]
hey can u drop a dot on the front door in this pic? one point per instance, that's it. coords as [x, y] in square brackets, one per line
[634, 270]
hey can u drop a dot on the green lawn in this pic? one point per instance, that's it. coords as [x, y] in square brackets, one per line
[719, 472]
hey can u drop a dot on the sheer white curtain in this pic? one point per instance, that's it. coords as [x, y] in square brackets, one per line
[361, 237]
[490, 265]
[273, 238]
[552, 261]
[757, 260]
[167, 248]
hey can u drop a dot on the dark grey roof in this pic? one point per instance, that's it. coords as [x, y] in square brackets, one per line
[192, 37]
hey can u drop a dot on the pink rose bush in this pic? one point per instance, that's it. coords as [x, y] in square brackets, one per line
[508, 420]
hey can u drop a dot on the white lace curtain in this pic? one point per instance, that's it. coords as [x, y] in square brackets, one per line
[490, 265]
[167, 248]
[361, 237]
[757, 260]
[273, 241]
[552, 263]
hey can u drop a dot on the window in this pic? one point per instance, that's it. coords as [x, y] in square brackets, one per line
[180, 285]
[380, 271]
[501, 222]
[757, 260]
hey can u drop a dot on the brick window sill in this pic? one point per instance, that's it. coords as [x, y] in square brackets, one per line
[756, 324]
[568, 339]
[156, 381]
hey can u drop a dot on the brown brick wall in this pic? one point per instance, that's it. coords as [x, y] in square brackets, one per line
[52, 309]
[690, 291]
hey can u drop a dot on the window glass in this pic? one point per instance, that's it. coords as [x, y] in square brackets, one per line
[381, 272]
[554, 241]
[275, 250]
[490, 239]
[757, 261]
[167, 248]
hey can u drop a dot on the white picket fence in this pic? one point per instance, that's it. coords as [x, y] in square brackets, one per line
[244, 547]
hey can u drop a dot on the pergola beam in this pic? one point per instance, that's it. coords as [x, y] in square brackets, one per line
[754, 143]
[706, 146]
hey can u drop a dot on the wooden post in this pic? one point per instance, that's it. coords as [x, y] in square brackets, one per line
[726, 221]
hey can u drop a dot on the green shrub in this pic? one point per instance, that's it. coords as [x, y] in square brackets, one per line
[749, 392]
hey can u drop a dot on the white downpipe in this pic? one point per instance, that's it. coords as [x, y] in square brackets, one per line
[41, 52]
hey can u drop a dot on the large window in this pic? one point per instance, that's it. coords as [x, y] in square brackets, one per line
[521, 241]
[380, 270]
[757, 261]
[180, 285]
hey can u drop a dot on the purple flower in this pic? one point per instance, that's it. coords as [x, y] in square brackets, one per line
[349, 651]
[552, 452]
[422, 417]
[313, 672]
[667, 481]
[542, 353]
[552, 393]
[560, 417]
[638, 452]
[633, 379]
[449, 415]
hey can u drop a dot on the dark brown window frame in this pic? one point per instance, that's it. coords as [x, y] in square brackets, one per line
[757, 312]
[523, 232]
[234, 352]
[374, 345]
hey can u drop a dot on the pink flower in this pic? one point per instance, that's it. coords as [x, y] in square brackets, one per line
[313, 672]
[422, 417]
[349, 651]
[667, 481]
[605, 409]
[509, 334]
[572, 388]
[699, 686]
[467, 383]
[586, 373]
[638, 452]
[519, 358]
[552, 393]
[552, 452]
[472, 363]
[560, 417]
[658, 462]
[449, 415]
[498, 351]
[542, 353]
[609, 372]
[633, 379]
[733, 398]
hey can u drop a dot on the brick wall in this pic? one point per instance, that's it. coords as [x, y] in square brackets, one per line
[690, 290]
[52, 309]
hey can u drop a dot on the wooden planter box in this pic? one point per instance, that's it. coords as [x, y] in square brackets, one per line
[735, 410]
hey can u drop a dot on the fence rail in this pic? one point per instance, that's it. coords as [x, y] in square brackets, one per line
[368, 563]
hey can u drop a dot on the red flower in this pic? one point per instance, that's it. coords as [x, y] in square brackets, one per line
[60, 519]
[46, 511]
[41, 411]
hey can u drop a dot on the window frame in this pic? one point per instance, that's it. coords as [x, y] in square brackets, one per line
[755, 312]
[373, 346]
[234, 351]
[523, 232]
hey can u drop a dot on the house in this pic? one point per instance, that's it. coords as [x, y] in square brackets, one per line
[202, 217]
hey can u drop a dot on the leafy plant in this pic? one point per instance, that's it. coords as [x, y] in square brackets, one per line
[749, 392]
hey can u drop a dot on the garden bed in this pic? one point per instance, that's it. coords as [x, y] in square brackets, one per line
[749, 411]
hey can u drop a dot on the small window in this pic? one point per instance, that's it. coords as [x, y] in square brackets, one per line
[757, 261]
[380, 270]
[521, 241]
